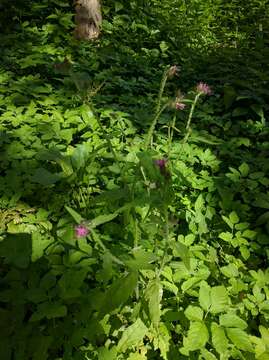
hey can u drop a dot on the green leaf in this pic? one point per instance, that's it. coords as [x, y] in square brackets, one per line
[118, 293]
[205, 296]
[142, 260]
[16, 249]
[188, 284]
[244, 252]
[240, 339]
[230, 270]
[244, 169]
[197, 336]
[226, 236]
[249, 234]
[49, 310]
[39, 244]
[44, 177]
[81, 155]
[219, 339]
[132, 336]
[136, 356]
[70, 282]
[153, 295]
[232, 321]
[182, 251]
[234, 218]
[107, 354]
[78, 219]
[194, 313]
[213, 299]
[219, 299]
[161, 339]
[199, 203]
[228, 221]
[207, 355]
[102, 219]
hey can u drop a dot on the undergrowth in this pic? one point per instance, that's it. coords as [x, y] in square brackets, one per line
[134, 193]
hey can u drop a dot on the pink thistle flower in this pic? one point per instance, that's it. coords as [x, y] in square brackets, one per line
[81, 231]
[161, 163]
[203, 88]
[180, 106]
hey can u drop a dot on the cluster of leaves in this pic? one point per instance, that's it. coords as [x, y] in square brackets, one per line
[173, 260]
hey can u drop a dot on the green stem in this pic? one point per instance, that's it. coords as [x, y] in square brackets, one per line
[153, 124]
[171, 135]
[188, 125]
[159, 109]
[166, 239]
[105, 249]
[162, 86]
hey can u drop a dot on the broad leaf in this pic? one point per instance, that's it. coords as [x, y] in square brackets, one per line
[233, 321]
[132, 336]
[153, 295]
[197, 336]
[219, 339]
[194, 313]
[240, 339]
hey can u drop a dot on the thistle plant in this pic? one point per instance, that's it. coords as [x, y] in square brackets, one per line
[168, 73]
[201, 89]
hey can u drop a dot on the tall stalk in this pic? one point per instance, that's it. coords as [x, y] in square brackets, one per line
[159, 107]
[188, 125]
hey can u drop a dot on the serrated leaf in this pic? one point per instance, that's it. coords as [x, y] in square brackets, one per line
[265, 334]
[244, 169]
[199, 203]
[142, 260]
[44, 177]
[240, 339]
[78, 218]
[228, 221]
[102, 219]
[153, 295]
[188, 284]
[161, 340]
[249, 234]
[219, 299]
[230, 270]
[234, 217]
[226, 236]
[205, 296]
[207, 355]
[132, 336]
[232, 321]
[197, 336]
[219, 339]
[39, 244]
[182, 251]
[107, 354]
[118, 293]
[49, 311]
[244, 252]
[194, 313]
[16, 249]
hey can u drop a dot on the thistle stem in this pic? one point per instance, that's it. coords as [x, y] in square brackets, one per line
[188, 125]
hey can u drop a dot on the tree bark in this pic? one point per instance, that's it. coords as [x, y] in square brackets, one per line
[88, 19]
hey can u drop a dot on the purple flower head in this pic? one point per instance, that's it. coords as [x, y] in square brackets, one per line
[161, 163]
[81, 231]
[173, 71]
[180, 106]
[203, 88]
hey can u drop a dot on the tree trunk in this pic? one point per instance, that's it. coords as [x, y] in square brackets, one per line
[88, 19]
